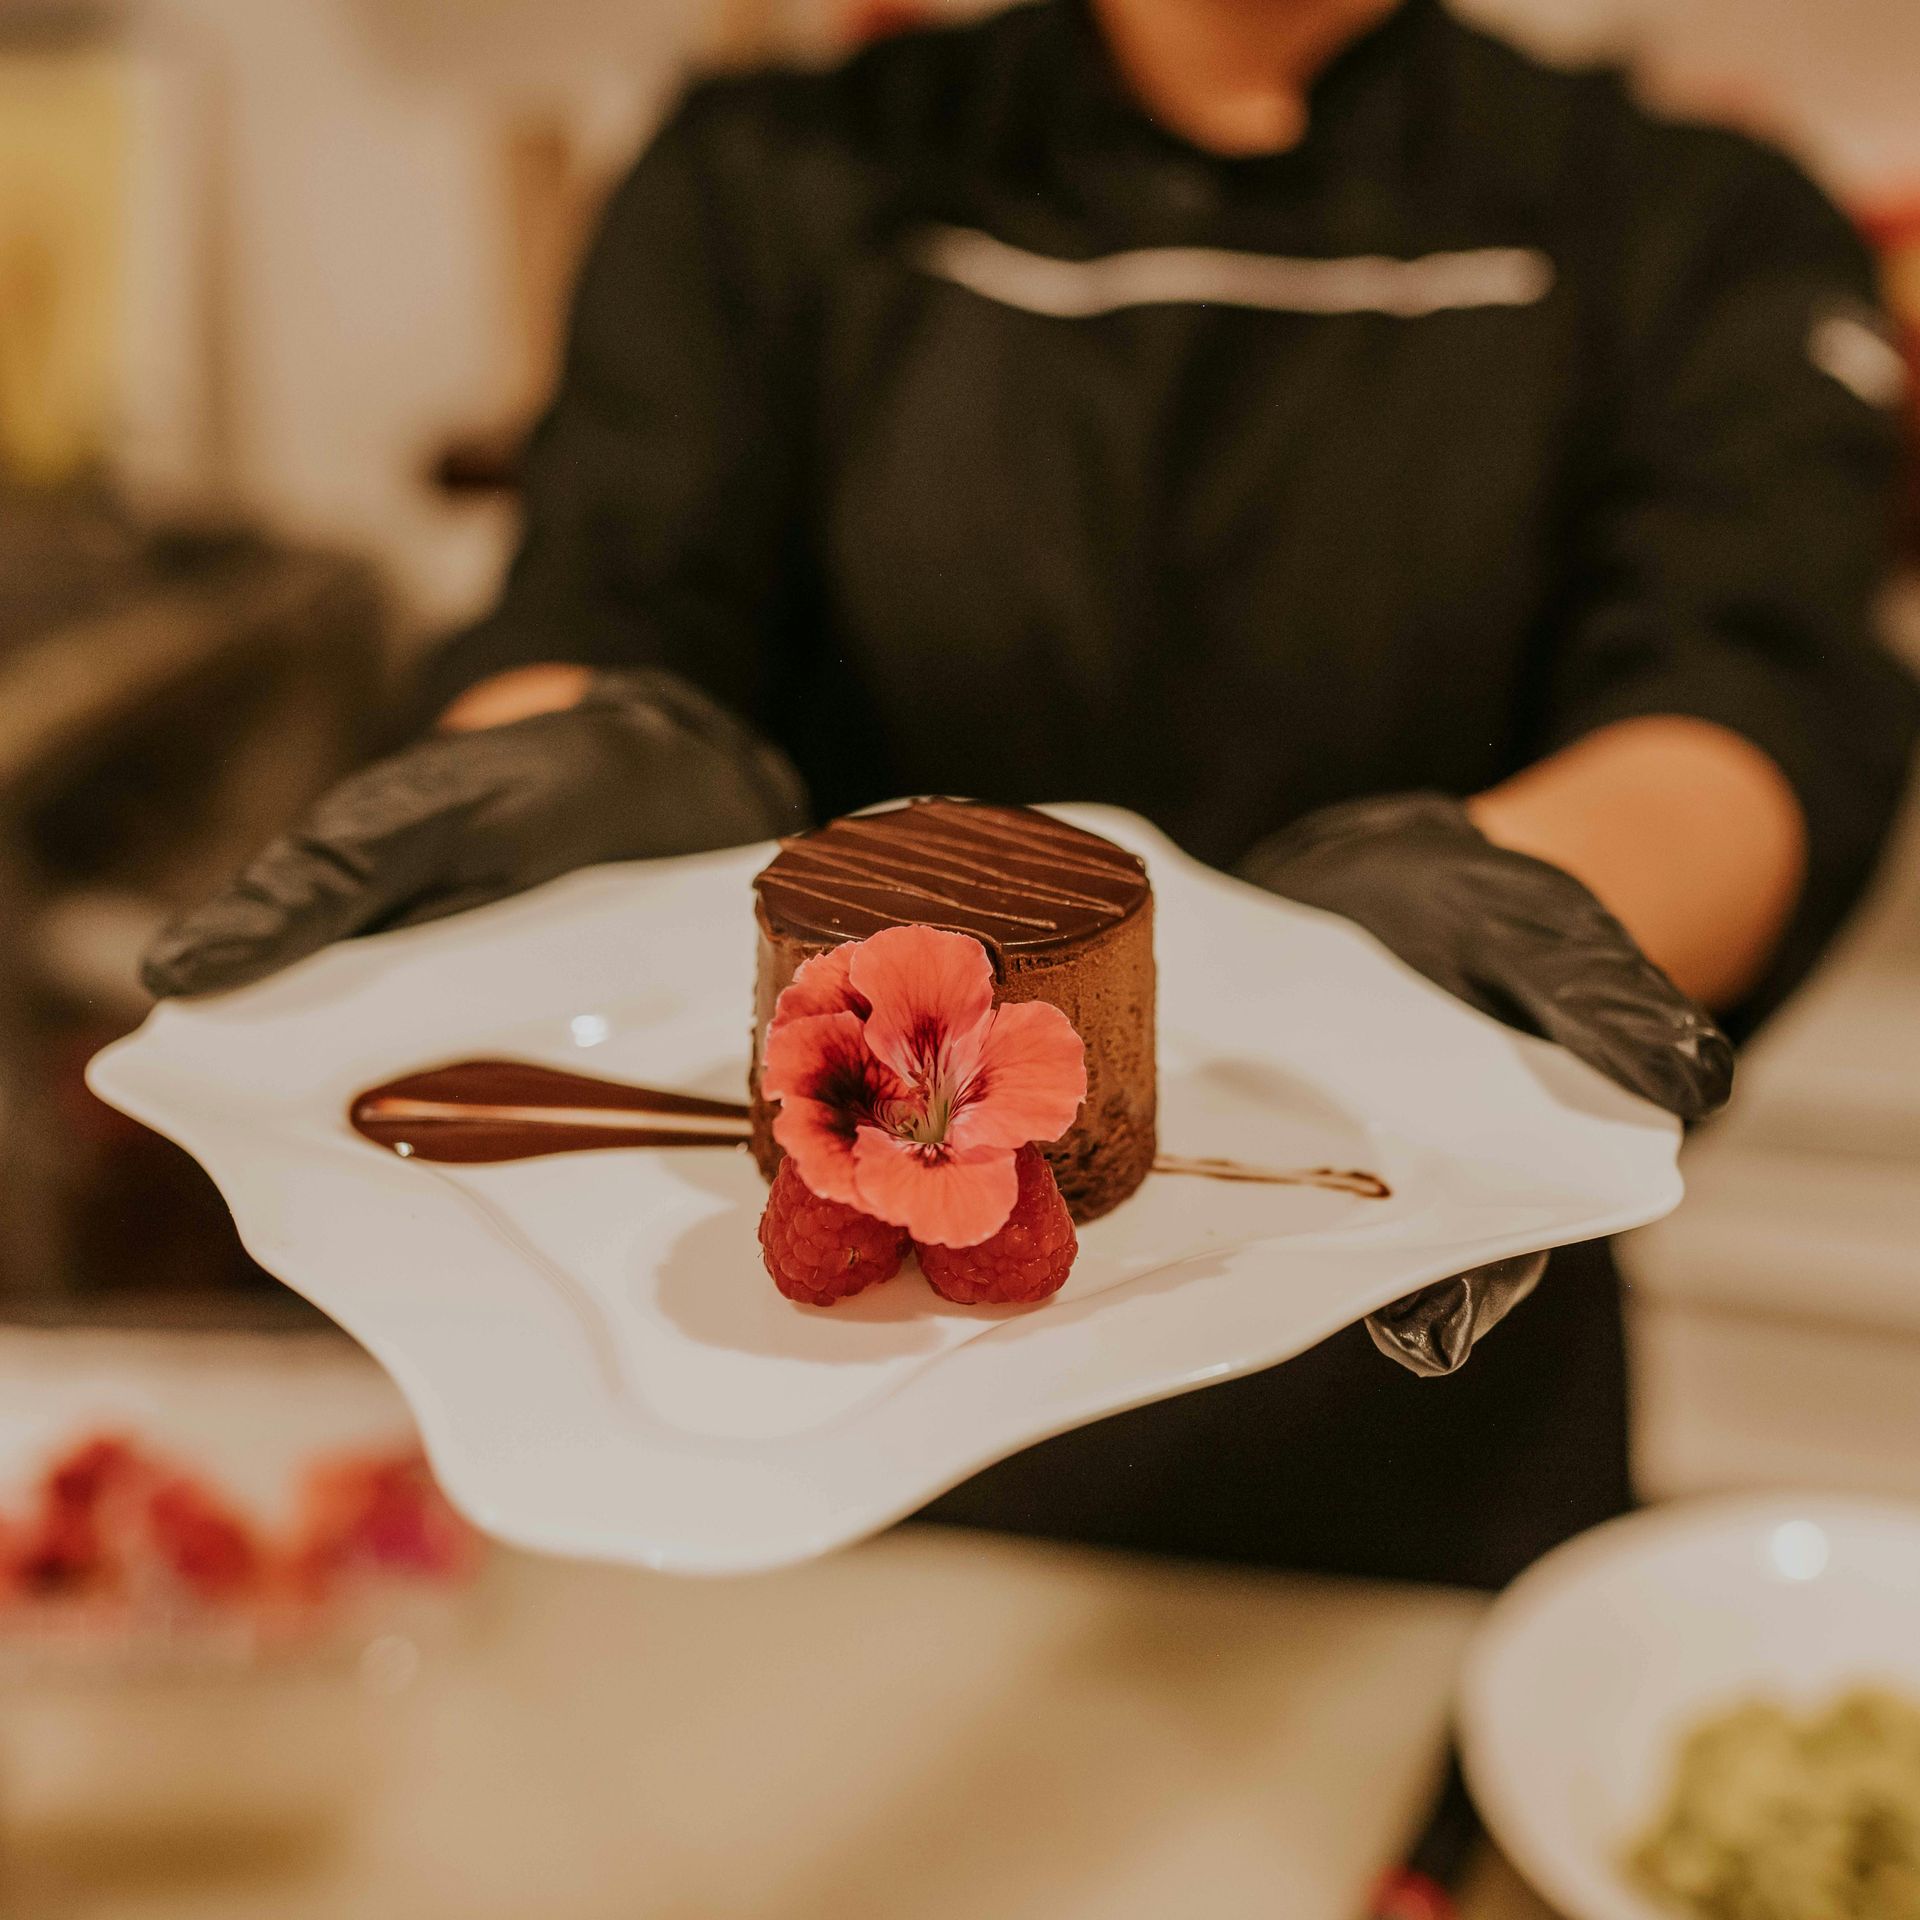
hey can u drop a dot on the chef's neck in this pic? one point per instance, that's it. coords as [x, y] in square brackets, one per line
[1231, 76]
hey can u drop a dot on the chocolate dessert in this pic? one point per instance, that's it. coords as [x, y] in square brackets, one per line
[1065, 916]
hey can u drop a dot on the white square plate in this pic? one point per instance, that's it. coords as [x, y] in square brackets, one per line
[598, 1361]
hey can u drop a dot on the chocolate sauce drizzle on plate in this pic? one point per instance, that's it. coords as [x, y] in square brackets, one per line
[484, 1112]
[1354, 1180]
[487, 1112]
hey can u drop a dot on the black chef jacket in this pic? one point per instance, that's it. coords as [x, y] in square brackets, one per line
[970, 433]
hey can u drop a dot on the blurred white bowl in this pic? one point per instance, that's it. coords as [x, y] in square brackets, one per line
[1590, 1669]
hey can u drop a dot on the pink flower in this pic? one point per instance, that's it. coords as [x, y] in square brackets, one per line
[904, 1091]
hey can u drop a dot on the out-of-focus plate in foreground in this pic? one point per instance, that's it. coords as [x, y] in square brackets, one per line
[1591, 1669]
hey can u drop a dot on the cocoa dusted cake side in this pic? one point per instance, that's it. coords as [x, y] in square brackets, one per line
[1066, 917]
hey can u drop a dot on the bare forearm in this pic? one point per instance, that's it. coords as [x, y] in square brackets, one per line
[1689, 834]
[518, 695]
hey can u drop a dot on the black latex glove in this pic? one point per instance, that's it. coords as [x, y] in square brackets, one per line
[642, 767]
[1522, 941]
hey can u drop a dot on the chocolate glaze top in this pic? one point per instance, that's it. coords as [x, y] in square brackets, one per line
[1018, 880]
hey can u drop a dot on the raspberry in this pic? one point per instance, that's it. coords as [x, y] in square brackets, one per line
[1026, 1261]
[211, 1549]
[819, 1251]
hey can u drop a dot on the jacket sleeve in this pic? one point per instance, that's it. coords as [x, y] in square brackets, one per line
[1734, 540]
[658, 490]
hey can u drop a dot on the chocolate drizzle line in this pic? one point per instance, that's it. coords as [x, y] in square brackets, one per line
[941, 848]
[1353, 1180]
[488, 1112]
[484, 1112]
[1005, 874]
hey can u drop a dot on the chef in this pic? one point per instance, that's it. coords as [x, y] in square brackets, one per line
[1414, 478]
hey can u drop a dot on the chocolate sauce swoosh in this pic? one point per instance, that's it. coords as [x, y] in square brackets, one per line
[484, 1112]
[489, 1112]
[1353, 1180]
[1018, 879]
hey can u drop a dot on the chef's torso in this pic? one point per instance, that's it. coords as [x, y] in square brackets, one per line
[1213, 488]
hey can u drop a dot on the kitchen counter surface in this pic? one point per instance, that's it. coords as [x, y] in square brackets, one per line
[937, 1725]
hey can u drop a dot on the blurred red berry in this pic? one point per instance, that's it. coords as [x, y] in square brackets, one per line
[207, 1546]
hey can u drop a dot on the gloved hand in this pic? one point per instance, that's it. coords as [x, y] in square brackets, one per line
[1522, 941]
[643, 766]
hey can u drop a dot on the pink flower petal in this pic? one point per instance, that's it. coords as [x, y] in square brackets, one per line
[930, 992]
[822, 985]
[1029, 1083]
[829, 1086]
[814, 1141]
[955, 1198]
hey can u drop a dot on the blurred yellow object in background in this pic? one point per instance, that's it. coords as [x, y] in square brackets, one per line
[63, 155]
[1776, 1816]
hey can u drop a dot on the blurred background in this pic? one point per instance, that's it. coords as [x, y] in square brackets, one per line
[280, 289]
